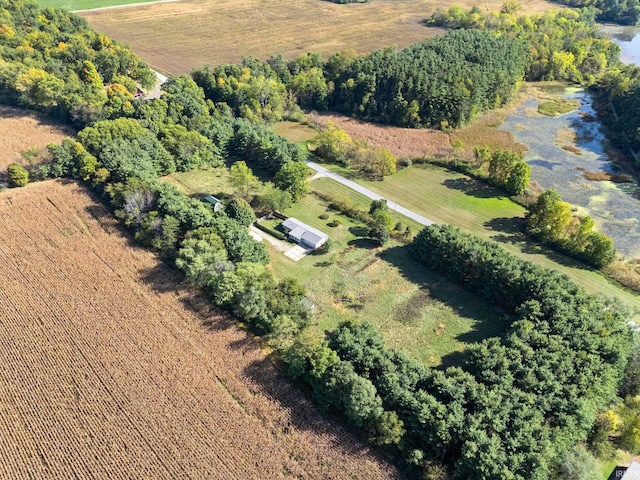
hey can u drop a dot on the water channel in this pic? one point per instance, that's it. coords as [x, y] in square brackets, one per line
[562, 149]
[628, 39]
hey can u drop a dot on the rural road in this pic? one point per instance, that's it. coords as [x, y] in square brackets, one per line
[156, 92]
[323, 172]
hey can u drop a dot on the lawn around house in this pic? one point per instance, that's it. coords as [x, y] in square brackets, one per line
[449, 197]
[417, 310]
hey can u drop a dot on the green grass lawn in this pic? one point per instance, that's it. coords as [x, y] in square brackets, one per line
[87, 4]
[337, 190]
[295, 132]
[449, 197]
[206, 180]
[417, 310]
[621, 458]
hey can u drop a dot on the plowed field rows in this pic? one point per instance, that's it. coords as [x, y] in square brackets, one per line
[109, 369]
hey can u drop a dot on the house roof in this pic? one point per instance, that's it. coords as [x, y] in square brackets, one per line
[633, 472]
[211, 199]
[302, 231]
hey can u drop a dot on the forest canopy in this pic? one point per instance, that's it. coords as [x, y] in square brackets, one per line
[51, 61]
[625, 12]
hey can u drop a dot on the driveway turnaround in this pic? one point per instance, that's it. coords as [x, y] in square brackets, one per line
[294, 252]
[323, 172]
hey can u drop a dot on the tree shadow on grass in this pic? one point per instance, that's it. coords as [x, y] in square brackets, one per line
[472, 187]
[365, 243]
[511, 229]
[359, 231]
[488, 320]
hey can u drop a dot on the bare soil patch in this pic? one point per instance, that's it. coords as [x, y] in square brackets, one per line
[176, 37]
[111, 370]
[23, 130]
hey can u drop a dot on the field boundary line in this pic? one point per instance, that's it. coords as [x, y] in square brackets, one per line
[128, 5]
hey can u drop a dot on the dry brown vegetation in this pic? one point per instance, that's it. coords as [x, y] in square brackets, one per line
[176, 37]
[627, 272]
[111, 370]
[23, 130]
[602, 176]
[402, 142]
[420, 143]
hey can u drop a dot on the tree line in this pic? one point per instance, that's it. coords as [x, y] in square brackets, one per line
[51, 61]
[624, 12]
[617, 103]
[564, 44]
[442, 82]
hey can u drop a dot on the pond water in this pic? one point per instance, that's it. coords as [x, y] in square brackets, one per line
[615, 207]
[628, 39]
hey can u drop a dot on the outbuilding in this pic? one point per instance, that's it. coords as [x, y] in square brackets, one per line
[217, 204]
[303, 234]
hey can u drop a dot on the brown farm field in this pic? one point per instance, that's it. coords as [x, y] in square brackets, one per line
[23, 130]
[110, 369]
[176, 37]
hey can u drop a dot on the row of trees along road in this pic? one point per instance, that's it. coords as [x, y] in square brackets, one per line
[512, 412]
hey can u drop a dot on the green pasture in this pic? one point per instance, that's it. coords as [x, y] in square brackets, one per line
[449, 197]
[88, 4]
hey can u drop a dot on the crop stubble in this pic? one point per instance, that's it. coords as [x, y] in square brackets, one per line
[21, 130]
[177, 37]
[109, 369]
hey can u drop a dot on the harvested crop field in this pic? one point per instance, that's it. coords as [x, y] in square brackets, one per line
[176, 37]
[111, 370]
[23, 130]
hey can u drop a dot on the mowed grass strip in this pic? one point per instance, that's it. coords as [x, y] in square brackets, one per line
[295, 132]
[202, 181]
[449, 197]
[176, 37]
[73, 5]
[417, 310]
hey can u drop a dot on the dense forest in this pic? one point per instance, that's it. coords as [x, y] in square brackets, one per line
[625, 12]
[51, 61]
[565, 44]
[517, 409]
[443, 82]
